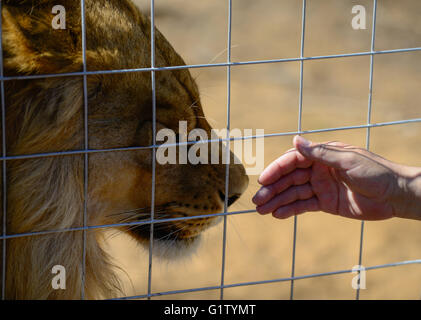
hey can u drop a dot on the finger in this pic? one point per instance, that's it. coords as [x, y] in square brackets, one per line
[335, 155]
[297, 177]
[297, 208]
[285, 164]
[291, 195]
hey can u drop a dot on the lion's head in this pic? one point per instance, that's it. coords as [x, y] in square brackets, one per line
[46, 115]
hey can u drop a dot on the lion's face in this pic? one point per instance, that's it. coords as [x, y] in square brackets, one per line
[121, 116]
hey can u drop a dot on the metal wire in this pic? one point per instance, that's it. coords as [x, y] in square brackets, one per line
[370, 104]
[4, 153]
[209, 65]
[86, 140]
[251, 283]
[153, 80]
[227, 151]
[300, 114]
[270, 135]
[152, 221]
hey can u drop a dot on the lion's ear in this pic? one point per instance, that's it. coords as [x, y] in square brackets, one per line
[32, 45]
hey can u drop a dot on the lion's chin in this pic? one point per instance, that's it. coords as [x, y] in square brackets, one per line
[176, 249]
[171, 241]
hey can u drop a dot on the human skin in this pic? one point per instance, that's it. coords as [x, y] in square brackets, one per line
[339, 179]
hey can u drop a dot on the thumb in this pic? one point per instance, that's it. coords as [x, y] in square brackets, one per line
[335, 156]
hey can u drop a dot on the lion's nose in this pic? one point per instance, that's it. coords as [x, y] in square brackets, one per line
[231, 199]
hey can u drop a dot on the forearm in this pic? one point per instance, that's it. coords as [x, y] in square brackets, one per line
[408, 201]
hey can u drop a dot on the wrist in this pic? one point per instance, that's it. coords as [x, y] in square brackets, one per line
[407, 203]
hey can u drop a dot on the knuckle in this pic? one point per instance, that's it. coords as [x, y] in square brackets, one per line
[321, 151]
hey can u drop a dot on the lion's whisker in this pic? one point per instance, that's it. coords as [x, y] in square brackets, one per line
[216, 57]
[146, 210]
[174, 232]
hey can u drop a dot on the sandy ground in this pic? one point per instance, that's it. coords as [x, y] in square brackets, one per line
[266, 96]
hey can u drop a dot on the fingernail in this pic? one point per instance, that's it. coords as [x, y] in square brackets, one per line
[302, 141]
[254, 199]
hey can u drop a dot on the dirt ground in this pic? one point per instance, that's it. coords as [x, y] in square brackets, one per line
[265, 96]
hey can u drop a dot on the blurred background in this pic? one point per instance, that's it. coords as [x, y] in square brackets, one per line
[266, 97]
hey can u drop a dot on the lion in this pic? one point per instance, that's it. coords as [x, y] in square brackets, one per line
[45, 116]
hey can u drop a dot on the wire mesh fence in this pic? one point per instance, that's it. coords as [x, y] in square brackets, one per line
[153, 221]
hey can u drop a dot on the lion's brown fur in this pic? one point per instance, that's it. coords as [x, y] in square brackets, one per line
[47, 115]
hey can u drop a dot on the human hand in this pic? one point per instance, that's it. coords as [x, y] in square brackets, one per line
[339, 179]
